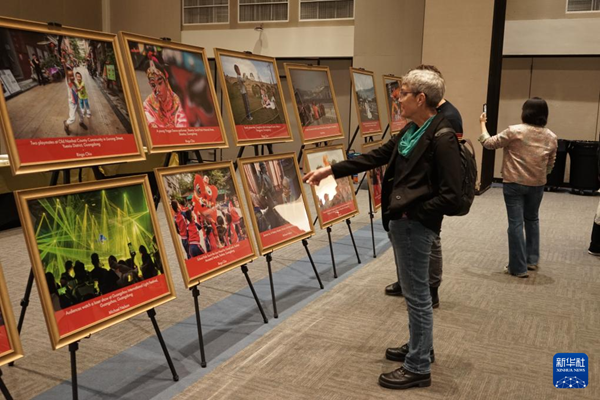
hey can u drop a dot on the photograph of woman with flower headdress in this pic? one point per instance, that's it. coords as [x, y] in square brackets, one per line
[175, 92]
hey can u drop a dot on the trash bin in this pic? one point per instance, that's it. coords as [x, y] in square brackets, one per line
[557, 176]
[584, 165]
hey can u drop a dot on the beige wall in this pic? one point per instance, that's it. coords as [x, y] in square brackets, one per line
[457, 40]
[541, 9]
[542, 27]
[321, 41]
[571, 86]
[388, 39]
[86, 15]
[157, 18]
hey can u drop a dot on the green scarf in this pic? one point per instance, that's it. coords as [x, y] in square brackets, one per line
[411, 138]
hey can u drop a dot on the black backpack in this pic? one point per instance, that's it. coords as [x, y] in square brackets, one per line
[468, 172]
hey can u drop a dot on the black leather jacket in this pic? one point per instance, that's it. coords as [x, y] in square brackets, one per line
[426, 185]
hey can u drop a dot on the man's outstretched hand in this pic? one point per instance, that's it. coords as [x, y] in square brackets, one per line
[315, 177]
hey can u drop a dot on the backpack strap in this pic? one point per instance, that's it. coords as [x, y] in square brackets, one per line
[466, 141]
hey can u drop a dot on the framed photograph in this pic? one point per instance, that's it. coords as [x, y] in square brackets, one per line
[174, 94]
[334, 198]
[10, 342]
[276, 199]
[375, 176]
[393, 85]
[96, 254]
[314, 103]
[253, 96]
[71, 104]
[209, 226]
[365, 100]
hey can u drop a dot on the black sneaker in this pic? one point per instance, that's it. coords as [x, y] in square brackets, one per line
[399, 353]
[394, 289]
[67, 131]
[84, 126]
[404, 379]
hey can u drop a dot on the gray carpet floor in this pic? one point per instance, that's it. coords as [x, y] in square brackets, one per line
[494, 335]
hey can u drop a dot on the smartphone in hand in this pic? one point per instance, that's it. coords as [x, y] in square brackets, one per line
[485, 108]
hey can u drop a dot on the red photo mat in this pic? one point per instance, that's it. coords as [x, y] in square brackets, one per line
[209, 226]
[334, 198]
[73, 108]
[96, 253]
[253, 97]
[174, 76]
[277, 201]
[315, 105]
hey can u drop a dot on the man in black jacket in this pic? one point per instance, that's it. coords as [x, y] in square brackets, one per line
[594, 248]
[422, 183]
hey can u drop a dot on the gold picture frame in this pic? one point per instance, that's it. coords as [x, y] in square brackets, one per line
[78, 150]
[322, 133]
[8, 325]
[256, 203]
[339, 212]
[190, 279]
[374, 194]
[256, 133]
[75, 207]
[396, 121]
[369, 126]
[187, 140]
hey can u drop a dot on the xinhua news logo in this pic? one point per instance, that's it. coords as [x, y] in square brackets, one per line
[571, 370]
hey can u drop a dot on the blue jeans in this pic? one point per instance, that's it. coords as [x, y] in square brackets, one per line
[522, 205]
[412, 247]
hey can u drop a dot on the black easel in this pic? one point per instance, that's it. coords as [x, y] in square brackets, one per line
[269, 258]
[4, 389]
[196, 294]
[183, 160]
[259, 150]
[371, 212]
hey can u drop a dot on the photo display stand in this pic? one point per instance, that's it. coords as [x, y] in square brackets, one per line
[314, 103]
[74, 345]
[335, 200]
[214, 199]
[274, 191]
[252, 94]
[94, 124]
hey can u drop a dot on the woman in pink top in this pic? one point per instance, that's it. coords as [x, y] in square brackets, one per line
[529, 154]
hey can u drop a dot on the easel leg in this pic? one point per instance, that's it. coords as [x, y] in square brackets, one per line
[305, 244]
[152, 314]
[4, 389]
[24, 304]
[262, 312]
[269, 259]
[73, 347]
[331, 250]
[371, 216]
[196, 295]
[353, 242]
[300, 153]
